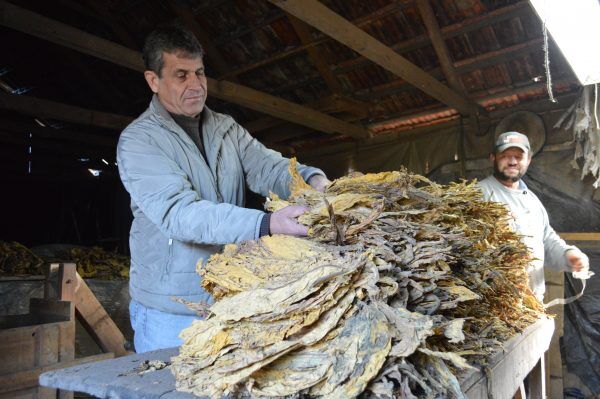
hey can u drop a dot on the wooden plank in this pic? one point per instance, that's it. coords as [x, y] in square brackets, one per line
[507, 369]
[537, 380]
[480, 97]
[555, 289]
[315, 55]
[439, 45]
[54, 147]
[21, 278]
[330, 104]
[45, 310]
[497, 56]
[342, 30]
[47, 29]
[96, 321]
[449, 31]
[67, 280]
[584, 236]
[29, 378]
[481, 61]
[67, 134]
[360, 22]
[285, 110]
[68, 113]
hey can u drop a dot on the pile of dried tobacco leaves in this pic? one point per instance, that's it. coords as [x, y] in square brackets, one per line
[401, 284]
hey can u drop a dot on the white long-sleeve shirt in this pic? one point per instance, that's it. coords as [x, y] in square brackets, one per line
[531, 221]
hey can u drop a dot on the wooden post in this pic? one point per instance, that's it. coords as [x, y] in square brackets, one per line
[96, 321]
[64, 283]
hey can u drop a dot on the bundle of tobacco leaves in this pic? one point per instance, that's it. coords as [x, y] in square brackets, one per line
[97, 263]
[18, 260]
[401, 285]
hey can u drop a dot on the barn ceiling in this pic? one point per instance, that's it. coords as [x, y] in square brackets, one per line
[298, 74]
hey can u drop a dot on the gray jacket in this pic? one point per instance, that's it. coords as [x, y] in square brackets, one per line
[530, 219]
[186, 208]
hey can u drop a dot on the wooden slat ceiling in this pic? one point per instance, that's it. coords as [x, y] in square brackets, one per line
[282, 69]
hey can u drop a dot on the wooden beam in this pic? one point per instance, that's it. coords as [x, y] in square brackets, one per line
[96, 11]
[96, 321]
[481, 97]
[47, 29]
[497, 56]
[67, 113]
[459, 28]
[580, 236]
[461, 67]
[284, 109]
[29, 378]
[19, 129]
[44, 146]
[332, 24]
[329, 104]
[360, 22]
[316, 57]
[439, 45]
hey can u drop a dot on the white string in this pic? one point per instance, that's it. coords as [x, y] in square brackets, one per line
[547, 62]
[596, 105]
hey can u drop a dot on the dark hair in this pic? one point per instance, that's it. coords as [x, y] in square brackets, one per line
[169, 38]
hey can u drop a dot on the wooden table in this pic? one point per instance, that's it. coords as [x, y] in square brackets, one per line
[116, 378]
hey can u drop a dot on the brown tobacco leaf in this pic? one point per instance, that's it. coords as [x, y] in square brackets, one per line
[401, 284]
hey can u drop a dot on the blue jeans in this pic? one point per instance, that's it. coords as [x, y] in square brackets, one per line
[154, 329]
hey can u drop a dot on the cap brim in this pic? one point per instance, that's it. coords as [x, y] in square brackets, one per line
[504, 147]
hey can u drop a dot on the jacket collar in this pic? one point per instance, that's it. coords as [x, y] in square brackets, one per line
[163, 116]
[208, 118]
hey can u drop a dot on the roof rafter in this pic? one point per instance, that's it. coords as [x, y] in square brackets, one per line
[459, 28]
[360, 22]
[441, 50]
[314, 54]
[332, 24]
[67, 113]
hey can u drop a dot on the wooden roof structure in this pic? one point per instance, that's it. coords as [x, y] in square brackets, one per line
[298, 74]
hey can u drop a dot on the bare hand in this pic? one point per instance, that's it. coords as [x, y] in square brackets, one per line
[319, 182]
[284, 221]
[577, 260]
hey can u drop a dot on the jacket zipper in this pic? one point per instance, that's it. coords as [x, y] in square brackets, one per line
[169, 260]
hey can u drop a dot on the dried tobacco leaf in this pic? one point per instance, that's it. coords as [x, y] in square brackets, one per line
[401, 283]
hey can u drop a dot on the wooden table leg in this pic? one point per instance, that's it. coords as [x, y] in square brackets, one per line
[537, 380]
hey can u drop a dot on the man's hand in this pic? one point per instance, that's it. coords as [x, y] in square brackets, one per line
[319, 182]
[284, 221]
[577, 260]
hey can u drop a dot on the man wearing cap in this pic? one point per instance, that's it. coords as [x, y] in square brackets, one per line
[511, 158]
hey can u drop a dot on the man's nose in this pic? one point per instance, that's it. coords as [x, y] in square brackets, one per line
[195, 82]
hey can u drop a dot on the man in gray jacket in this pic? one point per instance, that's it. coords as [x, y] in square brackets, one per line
[186, 168]
[511, 158]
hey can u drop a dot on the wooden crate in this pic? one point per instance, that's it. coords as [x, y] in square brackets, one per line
[33, 343]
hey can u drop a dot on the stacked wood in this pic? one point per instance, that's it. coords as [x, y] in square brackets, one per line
[401, 284]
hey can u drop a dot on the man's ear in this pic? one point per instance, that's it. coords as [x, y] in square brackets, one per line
[492, 157]
[152, 80]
